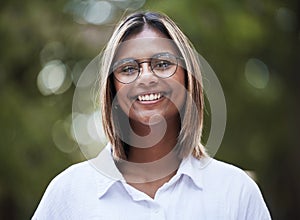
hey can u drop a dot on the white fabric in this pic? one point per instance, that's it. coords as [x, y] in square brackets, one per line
[215, 191]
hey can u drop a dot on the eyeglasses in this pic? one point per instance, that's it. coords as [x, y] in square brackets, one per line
[163, 65]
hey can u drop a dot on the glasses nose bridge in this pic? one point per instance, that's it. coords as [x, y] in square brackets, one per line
[146, 74]
[148, 67]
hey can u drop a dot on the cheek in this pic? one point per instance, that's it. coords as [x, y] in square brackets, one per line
[180, 96]
[117, 85]
[180, 88]
[121, 94]
[181, 80]
[181, 76]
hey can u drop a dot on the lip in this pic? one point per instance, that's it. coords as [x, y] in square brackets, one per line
[151, 102]
[148, 102]
[135, 96]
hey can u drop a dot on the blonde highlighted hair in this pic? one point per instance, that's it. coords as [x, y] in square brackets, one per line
[189, 139]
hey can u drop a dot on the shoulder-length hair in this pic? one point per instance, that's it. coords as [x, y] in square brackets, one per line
[189, 138]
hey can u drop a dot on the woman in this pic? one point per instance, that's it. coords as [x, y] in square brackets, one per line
[152, 108]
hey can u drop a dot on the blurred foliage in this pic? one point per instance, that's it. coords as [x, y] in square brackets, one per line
[235, 37]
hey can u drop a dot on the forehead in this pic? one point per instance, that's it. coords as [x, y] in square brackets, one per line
[145, 44]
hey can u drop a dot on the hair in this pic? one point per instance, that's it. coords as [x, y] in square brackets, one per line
[189, 138]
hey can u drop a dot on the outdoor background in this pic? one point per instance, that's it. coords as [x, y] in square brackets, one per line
[252, 45]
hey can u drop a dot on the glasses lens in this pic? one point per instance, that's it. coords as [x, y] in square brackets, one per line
[127, 71]
[164, 65]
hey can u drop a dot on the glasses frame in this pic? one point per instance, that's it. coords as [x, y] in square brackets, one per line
[177, 58]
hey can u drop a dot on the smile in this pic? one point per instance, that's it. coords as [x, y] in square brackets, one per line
[149, 97]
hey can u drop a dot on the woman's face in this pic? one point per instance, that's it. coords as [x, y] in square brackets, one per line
[150, 96]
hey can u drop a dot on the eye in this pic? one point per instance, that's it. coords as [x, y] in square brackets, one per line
[127, 69]
[161, 64]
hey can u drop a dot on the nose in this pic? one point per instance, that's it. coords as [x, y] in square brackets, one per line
[146, 77]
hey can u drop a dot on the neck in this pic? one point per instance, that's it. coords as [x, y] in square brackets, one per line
[151, 143]
[151, 161]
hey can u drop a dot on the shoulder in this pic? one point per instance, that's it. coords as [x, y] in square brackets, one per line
[67, 191]
[228, 180]
[69, 181]
[226, 172]
[230, 183]
[74, 174]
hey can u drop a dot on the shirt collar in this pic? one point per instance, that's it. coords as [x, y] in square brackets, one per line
[109, 173]
[191, 167]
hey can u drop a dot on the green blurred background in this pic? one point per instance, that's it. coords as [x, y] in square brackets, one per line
[252, 45]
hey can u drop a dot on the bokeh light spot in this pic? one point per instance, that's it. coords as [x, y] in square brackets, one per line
[61, 136]
[53, 78]
[79, 129]
[97, 12]
[257, 73]
[88, 133]
[94, 127]
[90, 11]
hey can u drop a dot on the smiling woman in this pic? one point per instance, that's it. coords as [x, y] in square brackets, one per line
[150, 81]
[152, 111]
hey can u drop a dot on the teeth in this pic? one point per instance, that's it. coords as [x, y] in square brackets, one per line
[149, 97]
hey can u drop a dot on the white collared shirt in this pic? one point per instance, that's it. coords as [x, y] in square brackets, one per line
[211, 192]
